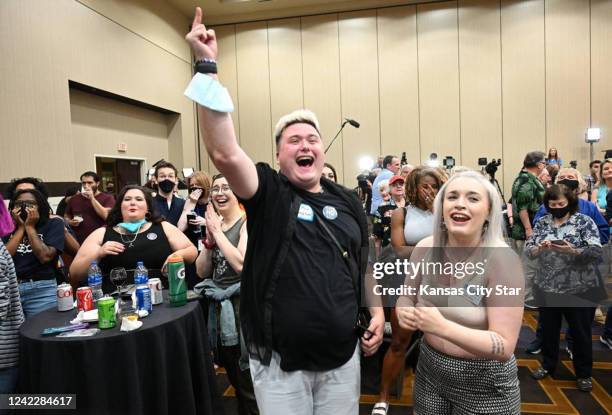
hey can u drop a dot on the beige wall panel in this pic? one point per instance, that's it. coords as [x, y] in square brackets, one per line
[84, 46]
[480, 82]
[155, 20]
[34, 105]
[601, 74]
[398, 78]
[439, 80]
[523, 83]
[285, 47]
[359, 88]
[254, 91]
[567, 78]
[321, 71]
[228, 74]
[99, 124]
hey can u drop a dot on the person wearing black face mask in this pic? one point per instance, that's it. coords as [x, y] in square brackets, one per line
[567, 246]
[166, 204]
[571, 178]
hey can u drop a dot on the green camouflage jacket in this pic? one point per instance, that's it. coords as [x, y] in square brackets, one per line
[527, 193]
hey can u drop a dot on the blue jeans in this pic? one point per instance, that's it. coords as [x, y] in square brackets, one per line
[8, 380]
[37, 296]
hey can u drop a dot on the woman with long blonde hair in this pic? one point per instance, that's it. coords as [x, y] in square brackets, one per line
[467, 363]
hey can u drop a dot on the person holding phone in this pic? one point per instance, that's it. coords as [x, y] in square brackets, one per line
[567, 247]
[35, 244]
[571, 178]
[192, 221]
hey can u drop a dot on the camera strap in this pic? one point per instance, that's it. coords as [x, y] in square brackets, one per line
[343, 253]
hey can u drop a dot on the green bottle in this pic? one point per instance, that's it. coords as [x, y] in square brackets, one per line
[176, 280]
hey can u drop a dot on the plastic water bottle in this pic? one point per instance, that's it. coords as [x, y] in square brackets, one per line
[94, 281]
[143, 292]
[141, 274]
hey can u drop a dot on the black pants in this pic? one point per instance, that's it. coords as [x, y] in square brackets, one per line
[579, 321]
[229, 357]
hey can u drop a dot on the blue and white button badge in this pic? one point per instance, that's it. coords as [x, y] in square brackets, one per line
[330, 212]
[305, 213]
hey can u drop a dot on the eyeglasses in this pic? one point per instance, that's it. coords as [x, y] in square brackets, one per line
[22, 204]
[222, 189]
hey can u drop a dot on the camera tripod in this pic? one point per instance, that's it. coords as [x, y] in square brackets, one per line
[495, 183]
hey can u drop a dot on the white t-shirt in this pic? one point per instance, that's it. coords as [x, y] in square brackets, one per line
[418, 224]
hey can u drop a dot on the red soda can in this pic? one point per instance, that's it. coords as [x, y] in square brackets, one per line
[65, 301]
[84, 299]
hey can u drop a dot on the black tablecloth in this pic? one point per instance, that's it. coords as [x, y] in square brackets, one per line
[164, 367]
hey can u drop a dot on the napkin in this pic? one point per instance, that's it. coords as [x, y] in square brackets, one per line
[130, 325]
[85, 317]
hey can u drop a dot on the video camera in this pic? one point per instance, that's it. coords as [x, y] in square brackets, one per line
[448, 162]
[363, 178]
[491, 167]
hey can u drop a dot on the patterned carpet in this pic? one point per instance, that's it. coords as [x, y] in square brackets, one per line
[551, 396]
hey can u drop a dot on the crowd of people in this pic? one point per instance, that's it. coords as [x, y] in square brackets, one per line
[282, 259]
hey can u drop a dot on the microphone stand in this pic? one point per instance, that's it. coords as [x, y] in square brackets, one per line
[336, 136]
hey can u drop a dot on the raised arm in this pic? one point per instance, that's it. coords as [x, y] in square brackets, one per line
[216, 128]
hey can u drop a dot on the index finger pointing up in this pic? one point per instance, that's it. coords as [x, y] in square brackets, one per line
[197, 19]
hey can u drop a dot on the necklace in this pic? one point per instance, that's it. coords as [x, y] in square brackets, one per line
[130, 242]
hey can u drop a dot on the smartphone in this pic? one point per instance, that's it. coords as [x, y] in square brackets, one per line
[558, 242]
[23, 213]
[193, 228]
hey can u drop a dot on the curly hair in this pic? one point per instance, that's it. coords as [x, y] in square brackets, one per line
[43, 205]
[37, 183]
[414, 178]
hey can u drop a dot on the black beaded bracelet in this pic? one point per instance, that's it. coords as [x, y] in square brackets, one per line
[206, 66]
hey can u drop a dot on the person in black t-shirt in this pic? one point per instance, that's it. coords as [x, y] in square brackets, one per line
[305, 259]
[35, 245]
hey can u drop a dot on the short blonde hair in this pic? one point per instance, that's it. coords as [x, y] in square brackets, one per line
[295, 117]
[383, 186]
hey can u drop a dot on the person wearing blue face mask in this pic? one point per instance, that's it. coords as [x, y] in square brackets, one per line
[134, 232]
